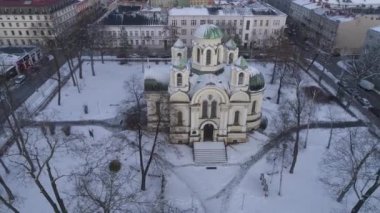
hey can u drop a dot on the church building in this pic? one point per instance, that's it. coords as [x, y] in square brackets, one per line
[212, 96]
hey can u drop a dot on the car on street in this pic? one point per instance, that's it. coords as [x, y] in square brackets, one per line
[364, 102]
[20, 79]
[134, 55]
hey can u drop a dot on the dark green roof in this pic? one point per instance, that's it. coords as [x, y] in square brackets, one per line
[153, 85]
[256, 82]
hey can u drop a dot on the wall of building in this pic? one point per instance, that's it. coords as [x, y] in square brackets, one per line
[351, 35]
[372, 38]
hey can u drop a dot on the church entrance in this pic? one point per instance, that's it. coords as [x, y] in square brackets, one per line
[208, 132]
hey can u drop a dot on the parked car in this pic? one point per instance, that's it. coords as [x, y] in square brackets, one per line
[366, 85]
[134, 55]
[20, 79]
[364, 102]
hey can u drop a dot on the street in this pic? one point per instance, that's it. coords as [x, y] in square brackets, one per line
[33, 81]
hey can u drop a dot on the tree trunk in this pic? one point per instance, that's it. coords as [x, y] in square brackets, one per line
[4, 166]
[312, 62]
[45, 194]
[8, 205]
[274, 71]
[59, 78]
[55, 189]
[79, 57]
[92, 62]
[7, 189]
[279, 91]
[71, 68]
[330, 138]
[367, 194]
[295, 153]
[102, 56]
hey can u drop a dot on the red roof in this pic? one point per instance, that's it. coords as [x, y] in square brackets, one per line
[27, 3]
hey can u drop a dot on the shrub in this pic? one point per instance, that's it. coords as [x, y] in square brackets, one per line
[114, 166]
[85, 109]
[52, 129]
[66, 130]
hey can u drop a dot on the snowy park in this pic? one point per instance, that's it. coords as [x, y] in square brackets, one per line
[74, 143]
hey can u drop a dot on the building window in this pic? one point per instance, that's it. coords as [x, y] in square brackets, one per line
[10, 24]
[236, 118]
[34, 32]
[183, 31]
[204, 109]
[198, 55]
[2, 24]
[20, 33]
[241, 22]
[5, 33]
[13, 32]
[23, 41]
[203, 22]
[174, 22]
[230, 58]
[31, 17]
[253, 111]
[208, 57]
[42, 32]
[246, 36]
[254, 23]
[179, 119]
[17, 25]
[261, 23]
[241, 78]
[183, 22]
[247, 25]
[267, 23]
[179, 79]
[210, 21]
[193, 22]
[213, 109]
[158, 107]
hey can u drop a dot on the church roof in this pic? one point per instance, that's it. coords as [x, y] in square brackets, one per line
[241, 63]
[208, 31]
[231, 44]
[179, 44]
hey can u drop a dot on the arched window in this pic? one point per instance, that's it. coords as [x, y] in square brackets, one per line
[236, 119]
[241, 78]
[198, 55]
[158, 107]
[179, 118]
[179, 79]
[230, 58]
[213, 109]
[179, 55]
[208, 57]
[204, 109]
[253, 108]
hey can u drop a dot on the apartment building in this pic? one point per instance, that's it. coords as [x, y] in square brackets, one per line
[335, 28]
[372, 38]
[135, 27]
[251, 26]
[283, 5]
[27, 22]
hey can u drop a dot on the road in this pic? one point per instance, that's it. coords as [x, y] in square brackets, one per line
[33, 81]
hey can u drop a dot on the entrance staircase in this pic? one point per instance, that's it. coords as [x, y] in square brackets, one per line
[209, 152]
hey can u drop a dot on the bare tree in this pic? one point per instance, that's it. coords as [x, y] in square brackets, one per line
[353, 159]
[134, 87]
[366, 65]
[297, 109]
[102, 188]
[368, 193]
[332, 119]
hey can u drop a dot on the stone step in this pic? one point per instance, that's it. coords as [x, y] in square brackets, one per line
[210, 152]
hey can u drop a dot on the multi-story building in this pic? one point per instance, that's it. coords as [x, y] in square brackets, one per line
[31, 22]
[372, 38]
[250, 26]
[335, 28]
[135, 27]
[201, 2]
[283, 5]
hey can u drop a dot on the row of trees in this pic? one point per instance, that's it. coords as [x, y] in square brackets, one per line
[353, 162]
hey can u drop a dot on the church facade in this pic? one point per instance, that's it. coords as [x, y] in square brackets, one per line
[212, 96]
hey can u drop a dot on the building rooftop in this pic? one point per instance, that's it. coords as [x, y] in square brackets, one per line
[135, 15]
[208, 31]
[252, 9]
[377, 29]
[312, 4]
[28, 3]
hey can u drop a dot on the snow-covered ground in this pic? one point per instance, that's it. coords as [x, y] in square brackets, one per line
[231, 187]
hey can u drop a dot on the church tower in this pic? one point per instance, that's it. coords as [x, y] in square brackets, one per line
[179, 76]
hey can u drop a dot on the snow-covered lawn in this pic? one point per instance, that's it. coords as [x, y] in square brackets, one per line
[103, 93]
[188, 186]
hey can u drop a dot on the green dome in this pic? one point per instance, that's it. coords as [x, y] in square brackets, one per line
[256, 82]
[208, 31]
